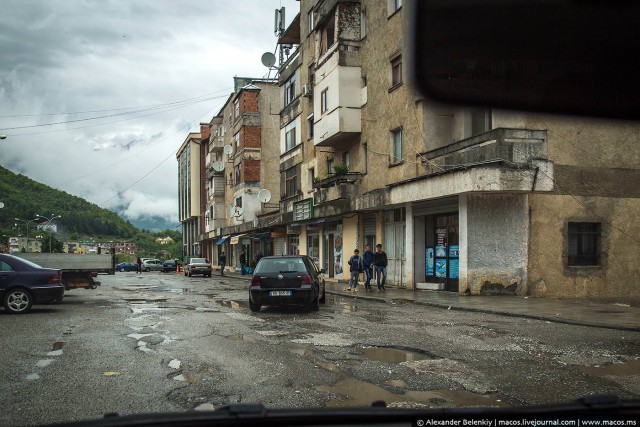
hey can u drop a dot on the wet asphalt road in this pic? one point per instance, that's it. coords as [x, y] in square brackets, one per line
[164, 342]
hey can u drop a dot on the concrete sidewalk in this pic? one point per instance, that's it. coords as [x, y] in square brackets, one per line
[621, 316]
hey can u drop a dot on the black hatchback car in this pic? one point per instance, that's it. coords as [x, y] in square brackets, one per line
[284, 280]
[23, 283]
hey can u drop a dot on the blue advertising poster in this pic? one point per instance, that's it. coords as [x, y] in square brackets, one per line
[454, 251]
[430, 262]
[453, 268]
[441, 268]
[441, 251]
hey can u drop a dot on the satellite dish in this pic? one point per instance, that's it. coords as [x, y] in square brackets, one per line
[228, 149]
[218, 166]
[268, 59]
[1, 205]
[264, 195]
[239, 212]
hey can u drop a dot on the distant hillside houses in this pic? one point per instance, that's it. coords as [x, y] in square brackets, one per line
[164, 240]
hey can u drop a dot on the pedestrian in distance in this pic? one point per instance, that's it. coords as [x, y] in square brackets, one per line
[243, 263]
[380, 261]
[139, 262]
[222, 260]
[355, 268]
[258, 257]
[367, 262]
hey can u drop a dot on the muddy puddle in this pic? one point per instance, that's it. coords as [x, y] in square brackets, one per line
[631, 367]
[361, 393]
[392, 355]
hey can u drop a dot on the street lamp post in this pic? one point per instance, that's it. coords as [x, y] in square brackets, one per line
[49, 220]
[27, 221]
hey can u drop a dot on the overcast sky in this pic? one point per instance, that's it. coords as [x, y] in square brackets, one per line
[151, 69]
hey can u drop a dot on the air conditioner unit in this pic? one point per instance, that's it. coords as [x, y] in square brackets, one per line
[307, 90]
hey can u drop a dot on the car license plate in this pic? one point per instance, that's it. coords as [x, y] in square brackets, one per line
[280, 293]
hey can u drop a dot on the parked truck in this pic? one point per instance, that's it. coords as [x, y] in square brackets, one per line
[78, 270]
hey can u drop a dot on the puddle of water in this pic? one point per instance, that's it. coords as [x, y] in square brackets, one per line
[55, 353]
[360, 393]
[139, 336]
[242, 337]
[301, 350]
[205, 407]
[44, 362]
[396, 383]
[175, 364]
[186, 378]
[33, 377]
[631, 367]
[331, 367]
[273, 333]
[57, 345]
[391, 355]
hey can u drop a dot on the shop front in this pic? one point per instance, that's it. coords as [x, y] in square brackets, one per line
[333, 255]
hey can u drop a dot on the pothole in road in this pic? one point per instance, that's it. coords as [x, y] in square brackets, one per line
[361, 393]
[394, 354]
[230, 303]
[631, 367]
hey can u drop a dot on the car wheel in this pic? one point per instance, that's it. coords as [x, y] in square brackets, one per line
[17, 301]
[147, 269]
[315, 304]
[254, 307]
[122, 270]
[323, 299]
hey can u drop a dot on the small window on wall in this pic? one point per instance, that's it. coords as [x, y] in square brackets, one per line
[396, 70]
[584, 244]
[365, 160]
[239, 202]
[396, 147]
[394, 5]
[324, 101]
[236, 108]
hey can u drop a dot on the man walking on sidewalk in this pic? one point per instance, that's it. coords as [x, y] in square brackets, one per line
[355, 268]
[222, 260]
[243, 263]
[380, 261]
[367, 262]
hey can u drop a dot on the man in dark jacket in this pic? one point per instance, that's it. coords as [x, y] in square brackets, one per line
[380, 261]
[367, 261]
[243, 263]
[222, 260]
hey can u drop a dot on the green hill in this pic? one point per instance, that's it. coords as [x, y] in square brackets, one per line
[24, 198]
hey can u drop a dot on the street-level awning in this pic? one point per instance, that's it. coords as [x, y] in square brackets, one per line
[236, 239]
[221, 240]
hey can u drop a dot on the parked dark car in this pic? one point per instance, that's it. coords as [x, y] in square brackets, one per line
[169, 266]
[127, 266]
[23, 283]
[284, 280]
[198, 266]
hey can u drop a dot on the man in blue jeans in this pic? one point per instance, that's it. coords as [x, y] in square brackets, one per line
[380, 261]
[367, 262]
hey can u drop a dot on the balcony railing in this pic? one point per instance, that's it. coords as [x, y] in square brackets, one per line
[519, 146]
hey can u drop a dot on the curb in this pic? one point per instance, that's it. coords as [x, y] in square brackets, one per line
[480, 310]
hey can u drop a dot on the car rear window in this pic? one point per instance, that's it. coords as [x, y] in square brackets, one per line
[285, 265]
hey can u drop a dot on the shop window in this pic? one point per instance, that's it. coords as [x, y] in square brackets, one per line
[584, 244]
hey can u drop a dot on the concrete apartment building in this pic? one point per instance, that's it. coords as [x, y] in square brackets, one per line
[467, 200]
[190, 189]
[241, 157]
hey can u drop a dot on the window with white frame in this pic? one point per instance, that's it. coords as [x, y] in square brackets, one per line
[290, 139]
[310, 21]
[396, 70]
[290, 89]
[394, 6]
[396, 146]
[324, 101]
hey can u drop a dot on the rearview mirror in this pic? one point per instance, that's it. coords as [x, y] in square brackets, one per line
[574, 57]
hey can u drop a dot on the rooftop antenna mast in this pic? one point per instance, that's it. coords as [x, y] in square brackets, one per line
[278, 29]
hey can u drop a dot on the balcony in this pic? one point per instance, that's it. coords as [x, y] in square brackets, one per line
[216, 143]
[513, 146]
[338, 187]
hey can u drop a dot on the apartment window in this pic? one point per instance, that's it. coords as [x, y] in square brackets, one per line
[236, 139]
[584, 244]
[310, 126]
[396, 146]
[345, 159]
[480, 121]
[230, 119]
[290, 136]
[327, 35]
[238, 173]
[312, 176]
[236, 107]
[290, 90]
[329, 165]
[324, 102]
[303, 210]
[239, 202]
[310, 21]
[291, 181]
[394, 6]
[365, 159]
[363, 24]
[396, 70]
